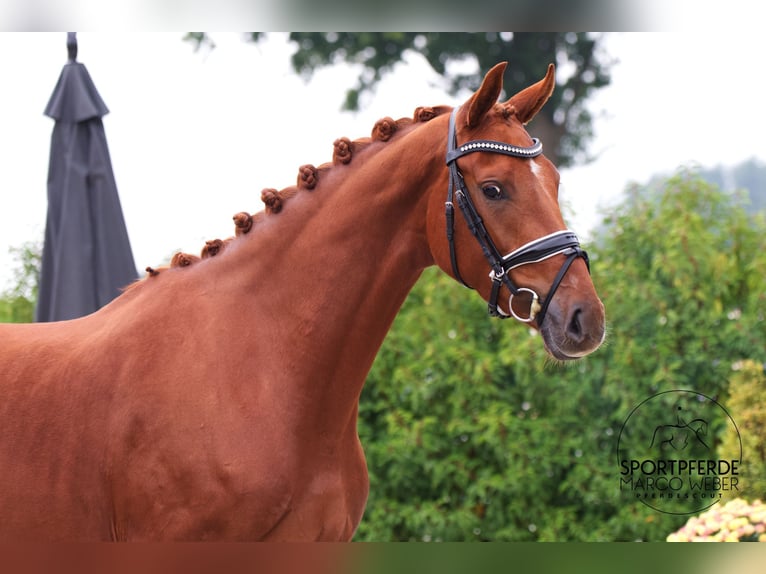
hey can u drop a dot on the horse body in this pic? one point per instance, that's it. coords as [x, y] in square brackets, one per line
[219, 400]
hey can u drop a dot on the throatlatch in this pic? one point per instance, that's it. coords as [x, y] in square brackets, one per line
[563, 242]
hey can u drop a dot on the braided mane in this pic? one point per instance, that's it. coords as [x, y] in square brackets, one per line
[309, 176]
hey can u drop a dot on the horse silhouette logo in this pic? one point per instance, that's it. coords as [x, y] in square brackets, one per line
[680, 435]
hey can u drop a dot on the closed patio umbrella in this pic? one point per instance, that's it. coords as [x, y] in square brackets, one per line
[87, 257]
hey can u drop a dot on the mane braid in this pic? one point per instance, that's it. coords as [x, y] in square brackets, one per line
[309, 176]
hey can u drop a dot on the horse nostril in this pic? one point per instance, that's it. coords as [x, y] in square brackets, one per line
[574, 327]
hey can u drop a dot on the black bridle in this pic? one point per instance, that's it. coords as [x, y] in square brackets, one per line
[558, 243]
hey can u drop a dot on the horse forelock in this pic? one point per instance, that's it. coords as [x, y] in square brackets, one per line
[309, 179]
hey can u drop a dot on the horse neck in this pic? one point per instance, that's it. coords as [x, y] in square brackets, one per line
[334, 267]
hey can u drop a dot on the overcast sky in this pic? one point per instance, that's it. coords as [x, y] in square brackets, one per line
[194, 137]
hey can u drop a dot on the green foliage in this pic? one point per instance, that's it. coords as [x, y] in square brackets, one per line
[747, 398]
[687, 262]
[471, 434]
[17, 303]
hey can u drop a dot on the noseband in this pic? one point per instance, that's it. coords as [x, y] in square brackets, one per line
[561, 242]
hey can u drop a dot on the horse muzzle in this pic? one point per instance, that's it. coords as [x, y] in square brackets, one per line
[574, 330]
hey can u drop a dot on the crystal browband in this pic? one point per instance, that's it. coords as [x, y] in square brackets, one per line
[497, 147]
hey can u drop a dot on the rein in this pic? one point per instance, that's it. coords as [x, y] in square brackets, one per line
[557, 243]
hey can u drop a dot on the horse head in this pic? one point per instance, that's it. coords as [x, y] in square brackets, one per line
[505, 235]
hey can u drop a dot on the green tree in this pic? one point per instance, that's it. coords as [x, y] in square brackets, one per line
[688, 259]
[747, 398]
[471, 434]
[564, 124]
[17, 302]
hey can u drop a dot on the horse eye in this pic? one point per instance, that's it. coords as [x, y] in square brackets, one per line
[492, 191]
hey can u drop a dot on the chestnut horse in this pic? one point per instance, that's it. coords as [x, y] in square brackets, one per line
[217, 398]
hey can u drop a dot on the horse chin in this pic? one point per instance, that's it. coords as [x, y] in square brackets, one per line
[562, 348]
[559, 354]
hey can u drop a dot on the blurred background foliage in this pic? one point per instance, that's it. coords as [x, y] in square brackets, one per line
[747, 398]
[17, 301]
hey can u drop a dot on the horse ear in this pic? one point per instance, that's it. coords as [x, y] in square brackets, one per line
[486, 96]
[529, 101]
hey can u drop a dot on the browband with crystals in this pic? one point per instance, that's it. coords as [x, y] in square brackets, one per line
[496, 147]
